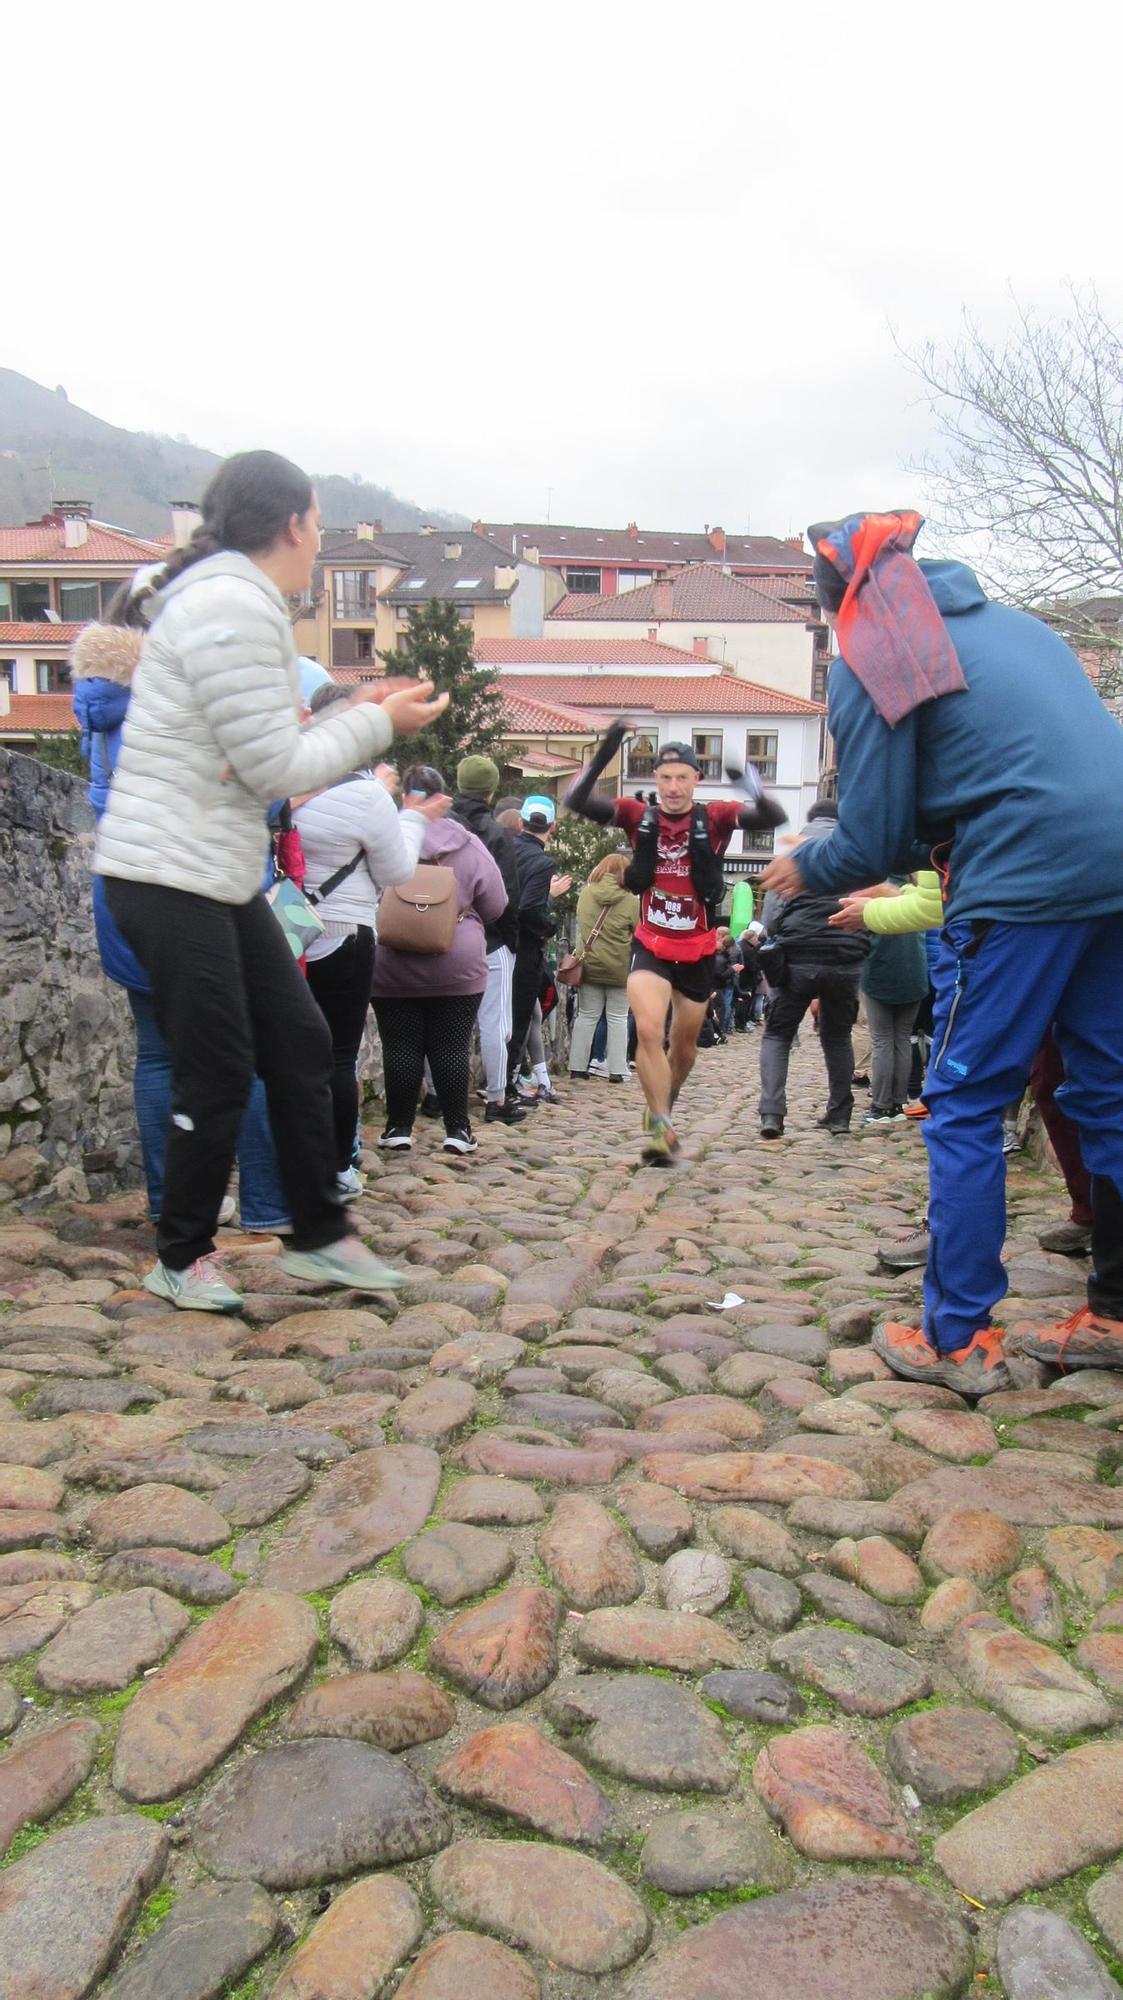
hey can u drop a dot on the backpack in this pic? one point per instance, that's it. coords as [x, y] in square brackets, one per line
[706, 872]
[422, 914]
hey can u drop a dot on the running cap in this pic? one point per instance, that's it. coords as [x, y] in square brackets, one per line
[538, 812]
[677, 753]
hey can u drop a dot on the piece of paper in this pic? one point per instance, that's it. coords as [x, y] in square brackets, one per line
[723, 1305]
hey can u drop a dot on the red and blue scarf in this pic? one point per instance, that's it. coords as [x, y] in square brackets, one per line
[890, 632]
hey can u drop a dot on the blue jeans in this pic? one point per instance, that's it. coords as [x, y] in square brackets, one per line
[999, 987]
[262, 1200]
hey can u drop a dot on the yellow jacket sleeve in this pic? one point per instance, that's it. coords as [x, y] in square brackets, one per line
[919, 907]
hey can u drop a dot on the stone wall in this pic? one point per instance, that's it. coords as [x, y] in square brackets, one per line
[66, 1042]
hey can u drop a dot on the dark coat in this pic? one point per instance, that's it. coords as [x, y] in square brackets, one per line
[475, 813]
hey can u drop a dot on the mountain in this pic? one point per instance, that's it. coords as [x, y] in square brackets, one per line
[52, 450]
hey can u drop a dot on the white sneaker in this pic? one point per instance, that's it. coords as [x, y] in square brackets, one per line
[227, 1209]
[349, 1184]
[463, 1141]
[198, 1289]
[598, 1068]
[396, 1139]
[347, 1262]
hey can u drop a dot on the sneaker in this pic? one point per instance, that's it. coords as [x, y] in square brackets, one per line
[882, 1118]
[598, 1067]
[1010, 1140]
[516, 1100]
[396, 1139]
[548, 1095]
[860, 1081]
[461, 1141]
[507, 1112]
[198, 1289]
[1087, 1340]
[660, 1143]
[227, 1209]
[430, 1105]
[771, 1128]
[980, 1367]
[1068, 1239]
[834, 1121]
[917, 1109]
[349, 1184]
[907, 1351]
[905, 1253]
[348, 1263]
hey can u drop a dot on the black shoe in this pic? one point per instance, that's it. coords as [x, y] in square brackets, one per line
[615, 1079]
[396, 1139]
[430, 1105]
[514, 1102]
[506, 1113]
[860, 1082]
[833, 1122]
[463, 1140]
[771, 1128]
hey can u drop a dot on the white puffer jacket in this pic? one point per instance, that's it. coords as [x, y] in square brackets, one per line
[212, 736]
[356, 817]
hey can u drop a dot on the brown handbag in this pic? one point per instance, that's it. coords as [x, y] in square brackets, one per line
[571, 965]
[422, 914]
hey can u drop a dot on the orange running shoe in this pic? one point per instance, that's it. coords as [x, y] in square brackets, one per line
[917, 1110]
[907, 1351]
[974, 1370]
[1087, 1340]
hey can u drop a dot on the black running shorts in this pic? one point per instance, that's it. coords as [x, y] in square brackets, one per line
[695, 981]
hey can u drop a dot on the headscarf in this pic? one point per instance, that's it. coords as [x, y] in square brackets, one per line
[890, 631]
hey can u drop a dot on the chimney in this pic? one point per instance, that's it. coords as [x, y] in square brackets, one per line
[426, 528]
[632, 528]
[75, 518]
[716, 538]
[453, 551]
[185, 519]
[701, 648]
[662, 597]
[532, 555]
[794, 542]
[364, 531]
[506, 576]
[478, 528]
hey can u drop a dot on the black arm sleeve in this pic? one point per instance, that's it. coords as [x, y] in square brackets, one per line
[763, 812]
[580, 797]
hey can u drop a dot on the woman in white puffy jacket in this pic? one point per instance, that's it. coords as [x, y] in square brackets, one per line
[352, 830]
[212, 736]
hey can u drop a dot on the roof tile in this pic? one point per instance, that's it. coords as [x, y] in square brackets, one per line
[666, 694]
[702, 592]
[46, 543]
[33, 712]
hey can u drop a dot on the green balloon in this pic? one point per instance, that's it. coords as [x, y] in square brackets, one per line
[741, 908]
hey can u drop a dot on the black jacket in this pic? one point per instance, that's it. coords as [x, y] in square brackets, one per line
[536, 872]
[475, 813]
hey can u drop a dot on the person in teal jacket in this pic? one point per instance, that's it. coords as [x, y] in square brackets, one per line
[968, 732]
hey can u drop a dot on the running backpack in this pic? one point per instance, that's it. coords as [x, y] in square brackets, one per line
[706, 872]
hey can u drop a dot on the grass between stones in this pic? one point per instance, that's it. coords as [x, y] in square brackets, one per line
[152, 1915]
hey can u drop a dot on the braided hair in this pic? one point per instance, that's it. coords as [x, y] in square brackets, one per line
[247, 504]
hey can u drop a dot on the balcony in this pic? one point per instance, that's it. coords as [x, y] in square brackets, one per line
[351, 608]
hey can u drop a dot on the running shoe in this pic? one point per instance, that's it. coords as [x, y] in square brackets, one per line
[227, 1209]
[505, 1111]
[197, 1289]
[1067, 1239]
[974, 1370]
[396, 1139]
[463, 1140]
[660, 1144]
[349, 1184]
[430, 1105]
[1087, 1340]
[904, 1253]
[917, 1109]
[348, 1263]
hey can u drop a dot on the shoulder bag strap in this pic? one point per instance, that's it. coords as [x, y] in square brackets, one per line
[333, 882]
[593, 934]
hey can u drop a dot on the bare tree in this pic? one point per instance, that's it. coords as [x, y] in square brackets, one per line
[1030, 474]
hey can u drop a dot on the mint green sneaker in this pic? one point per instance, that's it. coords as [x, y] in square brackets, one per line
[198, 1289]
[347, 1262]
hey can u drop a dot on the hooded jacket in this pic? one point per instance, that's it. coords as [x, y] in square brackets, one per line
[102, 663]
[1019, 775]
[481, 898]
[536, 872]
[802, 923]
[606, 961]
[476, 814]
[212, 735]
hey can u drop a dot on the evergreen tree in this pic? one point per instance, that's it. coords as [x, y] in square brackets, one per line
[438, 647]
[575, 848]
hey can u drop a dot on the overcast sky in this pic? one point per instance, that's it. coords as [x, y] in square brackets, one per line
[606, 261]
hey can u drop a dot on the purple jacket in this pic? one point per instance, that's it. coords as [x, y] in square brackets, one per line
[413, 975]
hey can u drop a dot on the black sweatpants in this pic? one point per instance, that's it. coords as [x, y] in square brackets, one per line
[230, 998]
[437, 1030]
[340, 986]
[529, 956]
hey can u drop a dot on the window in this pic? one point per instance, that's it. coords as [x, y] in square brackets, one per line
[586, 582]
[642, 751]
[30, 601]
[5, 600]
[51, 676]
[108, 592]
[819, 672]
[78, 602]
[8, 673]
[364, 645]
[633, 579]
[707, 749]
[353, 593]
[761, 840]
[761, 751]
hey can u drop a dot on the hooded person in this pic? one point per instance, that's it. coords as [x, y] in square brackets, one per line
[804, 960]
[969, 738]
[477, 784]
[103, 660]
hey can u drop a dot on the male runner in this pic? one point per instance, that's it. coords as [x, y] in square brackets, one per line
[677, 873]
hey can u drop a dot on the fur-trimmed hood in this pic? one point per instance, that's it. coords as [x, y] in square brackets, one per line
[106, 652]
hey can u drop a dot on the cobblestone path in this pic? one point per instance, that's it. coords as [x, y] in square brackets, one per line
[550, 1632]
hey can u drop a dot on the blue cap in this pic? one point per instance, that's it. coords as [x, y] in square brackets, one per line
[538, 812]
[312, 676]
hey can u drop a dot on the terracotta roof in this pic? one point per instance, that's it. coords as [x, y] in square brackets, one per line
[582, 653]
[530, 713]
[702, 593]
[40, 633]
[547, 762]
[47, 544]
[351, 677]
[565, 544]
[666, 694]
[31, 713]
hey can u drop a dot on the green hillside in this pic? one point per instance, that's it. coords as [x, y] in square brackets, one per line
[52, 450]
